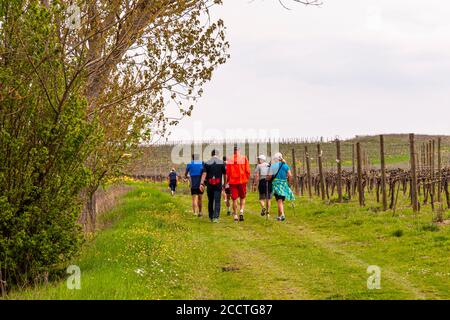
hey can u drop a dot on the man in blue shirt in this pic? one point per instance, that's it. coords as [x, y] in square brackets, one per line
[194, 169]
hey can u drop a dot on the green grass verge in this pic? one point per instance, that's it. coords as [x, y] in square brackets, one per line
[154, 248]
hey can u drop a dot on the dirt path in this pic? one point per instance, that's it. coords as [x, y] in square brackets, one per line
[180, 256]
[266, 259]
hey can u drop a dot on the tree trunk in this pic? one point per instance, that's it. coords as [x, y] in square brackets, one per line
[2, 285]
[92, 210]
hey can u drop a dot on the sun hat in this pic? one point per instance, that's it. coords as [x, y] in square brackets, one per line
[262, 157]
[278, 156]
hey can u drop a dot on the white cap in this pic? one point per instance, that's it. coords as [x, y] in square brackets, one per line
[262, 157]
[278, 156]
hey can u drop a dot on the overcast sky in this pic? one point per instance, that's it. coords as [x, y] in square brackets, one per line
[349, 67]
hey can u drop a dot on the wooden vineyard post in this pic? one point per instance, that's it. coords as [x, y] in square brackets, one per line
[424, 162]
[427, 171]
[353, 159]
[363, 158]
[353, 170]
[308, 172]
[304, 163]
[433, 172]
[321, 177]
[447, 194]
[413, 173]
[430, 191]
[339, 170]
[366, 154]
[366, 165]
[294, 167]
[383, 173]
[367, 161]
[423, 158]
[419, 160]
[417, 164]
[359, 169]
[439, 168]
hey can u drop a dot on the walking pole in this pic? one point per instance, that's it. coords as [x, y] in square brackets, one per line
[267, 199]
[293, 207]
[267, 194]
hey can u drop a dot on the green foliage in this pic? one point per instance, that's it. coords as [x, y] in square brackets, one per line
[44, 140]
[178, 52]
[75, 102]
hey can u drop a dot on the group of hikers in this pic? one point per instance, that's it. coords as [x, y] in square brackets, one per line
[228, 178]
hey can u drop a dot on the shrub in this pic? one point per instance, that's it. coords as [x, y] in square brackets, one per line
[44, 140]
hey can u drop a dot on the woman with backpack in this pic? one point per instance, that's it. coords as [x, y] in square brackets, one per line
[280, 174]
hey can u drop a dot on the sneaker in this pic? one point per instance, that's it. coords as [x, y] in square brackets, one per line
[228, 213]
[215, 220]
[241, 217]
[235, 217]
[282, 218]
[199, 215]
[263, 212]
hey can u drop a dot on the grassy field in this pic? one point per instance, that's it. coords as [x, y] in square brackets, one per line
[153, 248]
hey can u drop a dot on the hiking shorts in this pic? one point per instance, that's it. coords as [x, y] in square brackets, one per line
[238, 191]
[263, 193]
[278, 197]
[196, 191]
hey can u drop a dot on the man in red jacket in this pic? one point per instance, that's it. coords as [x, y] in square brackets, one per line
[238, 173]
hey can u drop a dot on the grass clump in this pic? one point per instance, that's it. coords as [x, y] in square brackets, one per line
[397, 233]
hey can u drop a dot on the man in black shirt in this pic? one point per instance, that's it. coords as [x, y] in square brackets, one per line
[214, 174]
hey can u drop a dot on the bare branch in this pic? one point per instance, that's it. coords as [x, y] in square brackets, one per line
[306, 3]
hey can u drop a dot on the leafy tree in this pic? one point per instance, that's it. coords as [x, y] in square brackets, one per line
[74, 100]
[148, 55]
[45, 138]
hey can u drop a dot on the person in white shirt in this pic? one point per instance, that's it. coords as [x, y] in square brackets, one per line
[264, 185]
